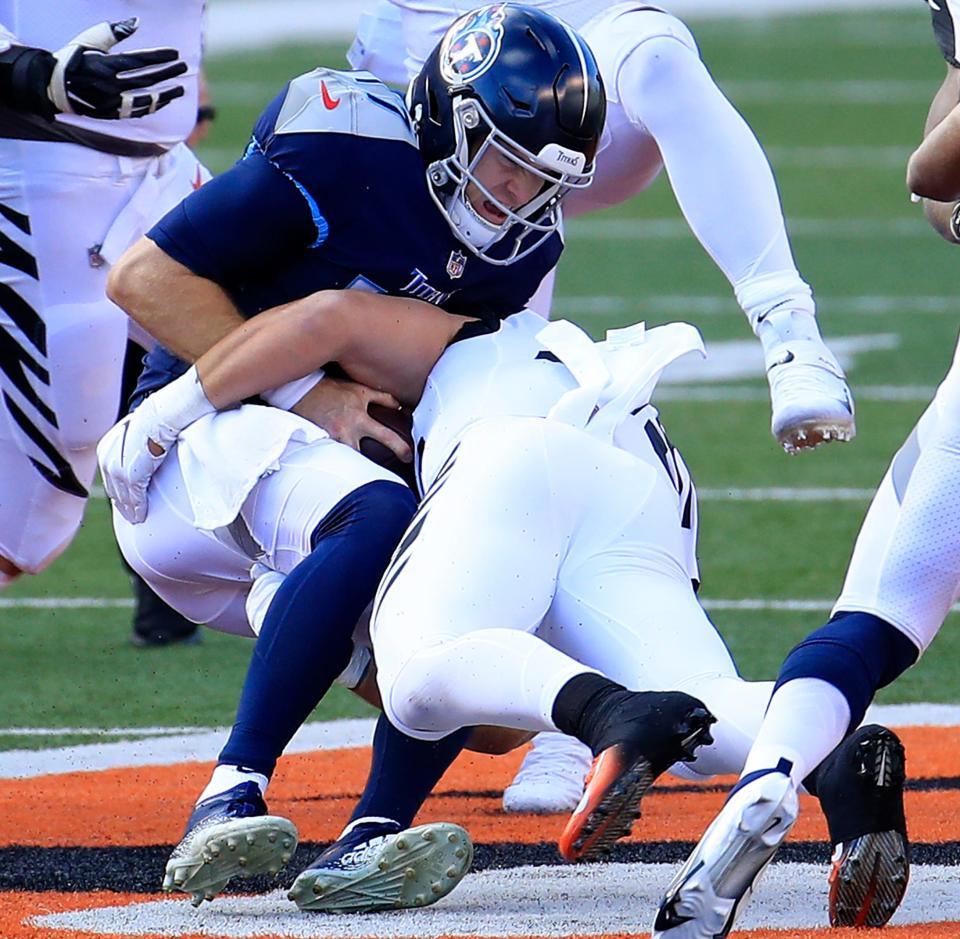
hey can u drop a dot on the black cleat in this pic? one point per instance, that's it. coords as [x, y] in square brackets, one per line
[860, 786]
[649, 733]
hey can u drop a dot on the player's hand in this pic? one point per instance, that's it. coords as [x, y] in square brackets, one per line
[87, 80]
[129, 454]
[340, 407]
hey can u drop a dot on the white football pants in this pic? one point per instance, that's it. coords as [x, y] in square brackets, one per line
[539, 554]
[61, 341]
[206, 575]
[905, 566]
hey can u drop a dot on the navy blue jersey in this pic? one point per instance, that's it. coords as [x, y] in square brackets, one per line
[332, 193]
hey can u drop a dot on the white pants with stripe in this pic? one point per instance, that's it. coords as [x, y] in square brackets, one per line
[62, 342]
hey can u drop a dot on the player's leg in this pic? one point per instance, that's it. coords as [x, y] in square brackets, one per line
[327, 519]
[513, 496]
[719, 173]
[902, 579]
[62, 343]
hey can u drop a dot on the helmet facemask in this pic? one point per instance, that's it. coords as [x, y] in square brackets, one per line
[529, 225]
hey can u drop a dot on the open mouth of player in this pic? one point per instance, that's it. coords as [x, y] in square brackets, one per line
[492, 213]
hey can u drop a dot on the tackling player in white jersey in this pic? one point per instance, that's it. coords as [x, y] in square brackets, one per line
[663, 111]
[91, 154]
[903, 578]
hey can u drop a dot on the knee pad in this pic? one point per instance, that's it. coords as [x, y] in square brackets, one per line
[380, 509]
[855, 652]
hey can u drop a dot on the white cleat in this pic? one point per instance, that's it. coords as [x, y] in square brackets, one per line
[718, 878]
[550, 779]
[811, 400]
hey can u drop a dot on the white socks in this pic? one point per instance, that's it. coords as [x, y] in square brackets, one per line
[225, 777]
[806, 719]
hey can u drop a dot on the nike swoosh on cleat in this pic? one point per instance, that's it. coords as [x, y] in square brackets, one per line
[773, 824]
[667, 915]
[786, 360]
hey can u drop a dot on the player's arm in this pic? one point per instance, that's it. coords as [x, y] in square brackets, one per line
[389, 343]
[185, 312]
[81, 78]
[933, 170]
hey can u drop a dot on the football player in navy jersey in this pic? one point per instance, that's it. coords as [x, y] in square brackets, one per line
[452, 198]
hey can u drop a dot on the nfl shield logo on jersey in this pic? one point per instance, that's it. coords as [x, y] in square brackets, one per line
[456, 264]
[472, 45]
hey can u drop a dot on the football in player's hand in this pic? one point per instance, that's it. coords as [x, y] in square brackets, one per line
[400, 421]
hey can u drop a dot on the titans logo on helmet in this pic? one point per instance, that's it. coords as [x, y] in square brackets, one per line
[472, 45]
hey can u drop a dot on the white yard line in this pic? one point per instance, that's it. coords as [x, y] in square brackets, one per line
[785, 494]
[252, 24]
[183, 745]
[714, 305]
[669, 229]
[902, 393]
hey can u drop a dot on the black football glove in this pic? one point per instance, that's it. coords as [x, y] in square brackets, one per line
[81, 78]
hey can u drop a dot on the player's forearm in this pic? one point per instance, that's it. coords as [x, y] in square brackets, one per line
[389, 343]
[185, 313]
[933, 170]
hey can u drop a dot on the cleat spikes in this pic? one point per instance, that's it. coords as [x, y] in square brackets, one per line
[374, 866]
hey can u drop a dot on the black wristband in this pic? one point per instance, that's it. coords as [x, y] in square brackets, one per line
[24, 76]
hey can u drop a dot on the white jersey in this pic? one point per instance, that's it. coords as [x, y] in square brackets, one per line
[175, 23]
[527, 369]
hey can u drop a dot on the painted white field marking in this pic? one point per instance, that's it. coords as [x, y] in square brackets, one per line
[254, 24]
[828, 93]
[184, 747]
[64, 603]
[713, 305]
[180, 745]
[743, 358]
[665, 229]
[786, 494]
[902, 393]
[555, 900]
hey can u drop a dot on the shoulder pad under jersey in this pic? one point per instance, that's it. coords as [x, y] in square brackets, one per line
[356, 103]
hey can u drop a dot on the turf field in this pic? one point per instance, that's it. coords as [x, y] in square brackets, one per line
[839, 101]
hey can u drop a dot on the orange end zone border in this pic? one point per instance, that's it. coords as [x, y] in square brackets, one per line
[149, 805]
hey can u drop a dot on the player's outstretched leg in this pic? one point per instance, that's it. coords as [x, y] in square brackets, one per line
[860, 786]
[229, 835]
[551, 777]
[374, 865]
[718, 878]
[636, 735]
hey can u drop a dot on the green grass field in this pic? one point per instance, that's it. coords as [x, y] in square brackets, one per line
[839, 102]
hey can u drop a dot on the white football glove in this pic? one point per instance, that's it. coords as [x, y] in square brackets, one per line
[126, 462]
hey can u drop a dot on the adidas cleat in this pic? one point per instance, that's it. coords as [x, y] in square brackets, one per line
[860, 786]
[229, 835]
[658, 729]
[375, 866]
[809, 395]
[714, 885]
